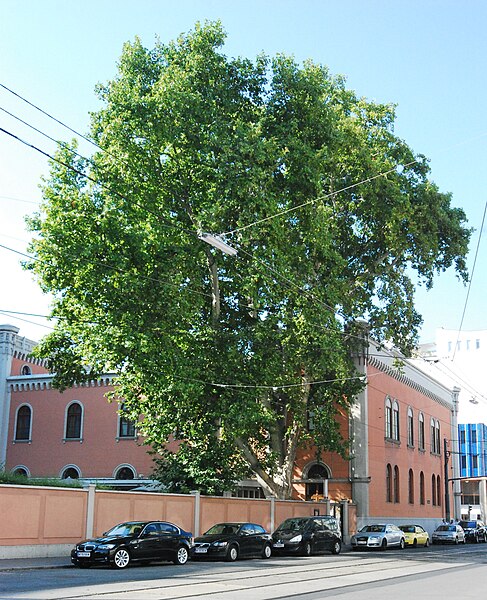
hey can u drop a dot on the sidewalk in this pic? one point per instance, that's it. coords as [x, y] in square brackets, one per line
[10, 564]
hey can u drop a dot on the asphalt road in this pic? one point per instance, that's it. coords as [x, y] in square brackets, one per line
[438, 572]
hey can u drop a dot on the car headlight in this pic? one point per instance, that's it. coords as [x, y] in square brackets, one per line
[220, 544]
[106, 546]
[374, 538]
[296, 539]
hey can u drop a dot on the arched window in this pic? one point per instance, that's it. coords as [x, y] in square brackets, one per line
[433, 490]
[438, 490]
[411, 487]
[433, 436]
[125, 472]
[70, 472]
[25, 370]
[126, 428]
[396, 484]
[315, 485]
[23, 423]
[421, 431]
[74, 419]
[21, 470]
[388, 483]
[437, 437]
[410, 427]
[395, 421]
[388, 412]
[421, 488]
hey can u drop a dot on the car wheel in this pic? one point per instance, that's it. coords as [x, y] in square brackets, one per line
[457, 541]
[232, 554]
[415, 543]
[182, 556]
[121, 558]
[464, 540]
[336, 548]
[383, 546]
[266, 551]
[402, 544]
[427, 543]
[306, 549]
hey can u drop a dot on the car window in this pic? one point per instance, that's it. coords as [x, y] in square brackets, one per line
[151, 529]
[247, 529]
[259, 529]
[295, 524]
[220, 528]
[373, 528]
[407, 528]
[168, 528]
[317, 525]
[125, 529]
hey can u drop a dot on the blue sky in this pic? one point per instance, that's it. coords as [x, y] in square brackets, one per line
[426, 56]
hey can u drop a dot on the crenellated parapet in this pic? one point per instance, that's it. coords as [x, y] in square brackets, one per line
[23, 383]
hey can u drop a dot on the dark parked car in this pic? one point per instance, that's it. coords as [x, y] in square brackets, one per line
[231, 541]
[307, 535]
[142, 541]
[474, 531]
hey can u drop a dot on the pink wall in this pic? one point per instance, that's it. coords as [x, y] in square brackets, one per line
[46, 515]
[35, 515]
[97, 455]
[116, 507]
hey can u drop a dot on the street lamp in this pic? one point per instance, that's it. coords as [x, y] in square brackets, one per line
[217, 242]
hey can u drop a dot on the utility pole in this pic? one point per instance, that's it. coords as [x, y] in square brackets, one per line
[446, 455]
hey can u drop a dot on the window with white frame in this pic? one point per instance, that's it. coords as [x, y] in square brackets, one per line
[74, 421]
[410, 427]
[421, 431]
[23, 423]
[395, 421]
[388, 413]
[126, 427]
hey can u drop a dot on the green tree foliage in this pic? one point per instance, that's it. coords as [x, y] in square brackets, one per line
[229, 354]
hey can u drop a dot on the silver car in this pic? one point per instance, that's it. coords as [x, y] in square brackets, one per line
[380, 536]
[448, 534]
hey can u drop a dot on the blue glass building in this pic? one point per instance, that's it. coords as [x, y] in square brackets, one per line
[472, 446]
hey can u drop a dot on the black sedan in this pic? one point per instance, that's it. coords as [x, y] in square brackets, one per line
[475, 531]
[142, 541]
[231, 541]
[307, 535]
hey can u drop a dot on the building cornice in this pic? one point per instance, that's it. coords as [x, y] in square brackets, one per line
[410, 375]
[22, 383]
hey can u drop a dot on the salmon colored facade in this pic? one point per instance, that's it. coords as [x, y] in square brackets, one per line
[397, 430]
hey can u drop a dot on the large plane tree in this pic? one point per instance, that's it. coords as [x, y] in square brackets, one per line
[334, 219]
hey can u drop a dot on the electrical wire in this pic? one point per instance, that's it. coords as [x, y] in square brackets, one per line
[470, 280]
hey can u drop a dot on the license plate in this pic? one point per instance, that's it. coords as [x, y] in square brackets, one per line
[360, 542]
[278, 545]
[201, 550]
[83, 554]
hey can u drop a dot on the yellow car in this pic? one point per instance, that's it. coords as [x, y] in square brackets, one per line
[415, 535]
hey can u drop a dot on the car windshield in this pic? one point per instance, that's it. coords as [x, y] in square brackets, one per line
[223, 528]
[295, 524]
[446, 528]
[468, 524]
[407, 528]
[373, 528]
[125, 529]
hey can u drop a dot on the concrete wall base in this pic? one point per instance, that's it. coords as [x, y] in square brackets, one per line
[36, 551]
